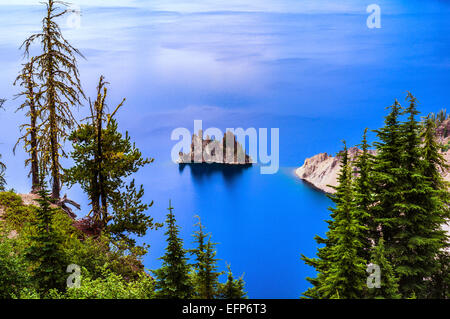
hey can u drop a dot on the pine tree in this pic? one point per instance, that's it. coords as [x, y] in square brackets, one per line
[104, 160]
[419, 237]
[129, 217]
[323, 260]
[31, 138]
[438, 287]
[56, 68]
[172, 279]
[345, 277]
[207, 276]
[388, 282]
[232, 288]
[433, 164]
[340, 263]
[364, 193]
[386, 169]
[45, 251]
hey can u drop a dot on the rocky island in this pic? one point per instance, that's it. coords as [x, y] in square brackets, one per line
[211, 151]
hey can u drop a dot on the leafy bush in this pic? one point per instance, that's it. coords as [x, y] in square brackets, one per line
[105, 263]
[16, 213]
[109, 286]
[13, 268]
[27, 293]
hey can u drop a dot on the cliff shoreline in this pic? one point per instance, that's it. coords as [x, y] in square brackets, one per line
[321, 170]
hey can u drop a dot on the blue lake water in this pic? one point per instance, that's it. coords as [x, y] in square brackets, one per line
[261, 224]
[310, 68]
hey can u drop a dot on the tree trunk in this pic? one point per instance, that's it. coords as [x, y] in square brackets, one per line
[56, 187]
[51, 100]
[54, 152]
[95, 198]
[35, 182]
[99, 167]
[34, 151]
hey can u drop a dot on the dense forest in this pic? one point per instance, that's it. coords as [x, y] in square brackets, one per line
[45, 252]
[385, 236]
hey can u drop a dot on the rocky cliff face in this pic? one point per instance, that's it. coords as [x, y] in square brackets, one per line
[227, 151]
[322, 169]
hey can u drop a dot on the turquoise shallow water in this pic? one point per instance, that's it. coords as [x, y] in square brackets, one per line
[310, 68]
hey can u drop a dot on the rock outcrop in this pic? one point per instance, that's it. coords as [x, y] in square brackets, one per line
[321, 170]
[27, 199]
[228, 151]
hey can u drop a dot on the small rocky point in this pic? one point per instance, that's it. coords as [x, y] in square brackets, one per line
[85, 225]
[321, 170]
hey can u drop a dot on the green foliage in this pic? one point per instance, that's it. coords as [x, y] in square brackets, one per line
[110, 268]
[206, 279]
[346, 273]
[418, 235]
[400, 201]
[386, 169]
[340, 263]
[438, 287]
[232, 288]
[13, 268]
[129, 217]
[96, 255]
[172, 279]
[27, 293]
[91, 253]
[124, 260]
[324, 259]
[438, 212]
[110, 286]
[22, 218]
[104, 160]
[45, 252]
[389, 283]
[17, 215]
[363, 191]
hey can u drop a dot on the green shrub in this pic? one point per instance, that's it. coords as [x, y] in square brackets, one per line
[106, 263]
[111, 286]
[13, 268]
